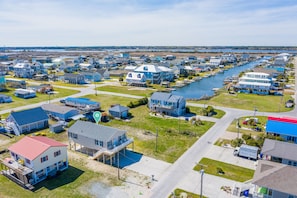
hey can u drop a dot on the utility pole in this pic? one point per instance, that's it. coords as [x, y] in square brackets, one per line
[238, 126]
[201, 178]
[156, 140]
[202, 173]
[255, 112]
[118, 165]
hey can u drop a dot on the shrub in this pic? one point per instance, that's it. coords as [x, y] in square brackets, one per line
[236, 142]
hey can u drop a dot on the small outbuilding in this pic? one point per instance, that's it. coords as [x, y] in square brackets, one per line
[56, 128]
[119, 111]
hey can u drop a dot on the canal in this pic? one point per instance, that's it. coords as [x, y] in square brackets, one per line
[204, 87]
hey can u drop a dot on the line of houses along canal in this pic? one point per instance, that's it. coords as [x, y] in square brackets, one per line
[206, 86]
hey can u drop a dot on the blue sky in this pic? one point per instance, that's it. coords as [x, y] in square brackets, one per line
[148, 22]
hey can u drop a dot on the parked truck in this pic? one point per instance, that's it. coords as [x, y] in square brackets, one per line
[250, 152]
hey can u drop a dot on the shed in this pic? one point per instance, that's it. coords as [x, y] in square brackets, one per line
[119, 111]
[56, 128]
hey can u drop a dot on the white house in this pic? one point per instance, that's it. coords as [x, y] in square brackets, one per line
[136, 79]
[255, 82]
[34, 158]
[151, 72]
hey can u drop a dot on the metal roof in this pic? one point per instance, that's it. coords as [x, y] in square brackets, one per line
[94, 131]
[282, 128]
[32, 147]
[29, 116]
[81, 100]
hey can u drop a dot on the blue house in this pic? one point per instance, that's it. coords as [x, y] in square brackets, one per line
[25, 93]
[82, 103]
[284, 127]
[119, 111]
[27, 120]
[59, 112]
[5, 98]
[92, 76]
[167, 103]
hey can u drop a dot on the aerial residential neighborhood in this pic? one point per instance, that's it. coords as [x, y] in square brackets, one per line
[139, 125]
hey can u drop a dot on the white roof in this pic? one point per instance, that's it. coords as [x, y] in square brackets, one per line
[148, 68]
[164, 69]
[21, 65]
[255, 84]
[130, 67]
[257, 73]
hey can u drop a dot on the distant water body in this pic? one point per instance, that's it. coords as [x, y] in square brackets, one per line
[205, 86]
[267, 50]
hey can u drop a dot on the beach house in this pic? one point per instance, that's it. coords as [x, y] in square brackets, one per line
[255, 82]
[101, 142]
[167, 104]
[33, 159]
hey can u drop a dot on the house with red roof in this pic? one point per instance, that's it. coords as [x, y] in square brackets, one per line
[285, 127]
[35, 158]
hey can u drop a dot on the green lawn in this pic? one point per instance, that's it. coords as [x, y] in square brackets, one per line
[198, 111]
[39, 98]
[267, 103]
[174, 136]
[178, 192]
[246, 129]
[107, 100]
[231, 171]
[127, 90]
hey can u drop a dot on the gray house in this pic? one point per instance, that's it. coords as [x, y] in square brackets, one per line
[280, 152]
[119, 111]
[275, 180]
[59, 112]
[101, 142]
[167, 103]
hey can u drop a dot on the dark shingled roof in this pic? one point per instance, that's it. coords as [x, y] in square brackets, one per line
[29, 116]
[280, 149]
[276, 176]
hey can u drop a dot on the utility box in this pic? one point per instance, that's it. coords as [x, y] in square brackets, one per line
[250, 152]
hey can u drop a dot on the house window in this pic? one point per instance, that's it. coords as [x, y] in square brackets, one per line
[57, 153]
[28, 161]
[96, 142]
[73, 135]
[43, 159]
[12, 153]
[101, 143]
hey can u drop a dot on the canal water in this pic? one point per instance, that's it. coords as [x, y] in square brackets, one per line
[204, 87]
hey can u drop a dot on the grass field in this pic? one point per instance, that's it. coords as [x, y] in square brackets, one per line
[198, 111]
[39, 98]
[178, 192]
[127, 90]
[265, 103]
[245, 129]
[175, 136]
[231, 171]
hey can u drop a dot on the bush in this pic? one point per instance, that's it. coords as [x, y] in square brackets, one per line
[246, 137]
[142, 101]
[236, 142]
[220, 171]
